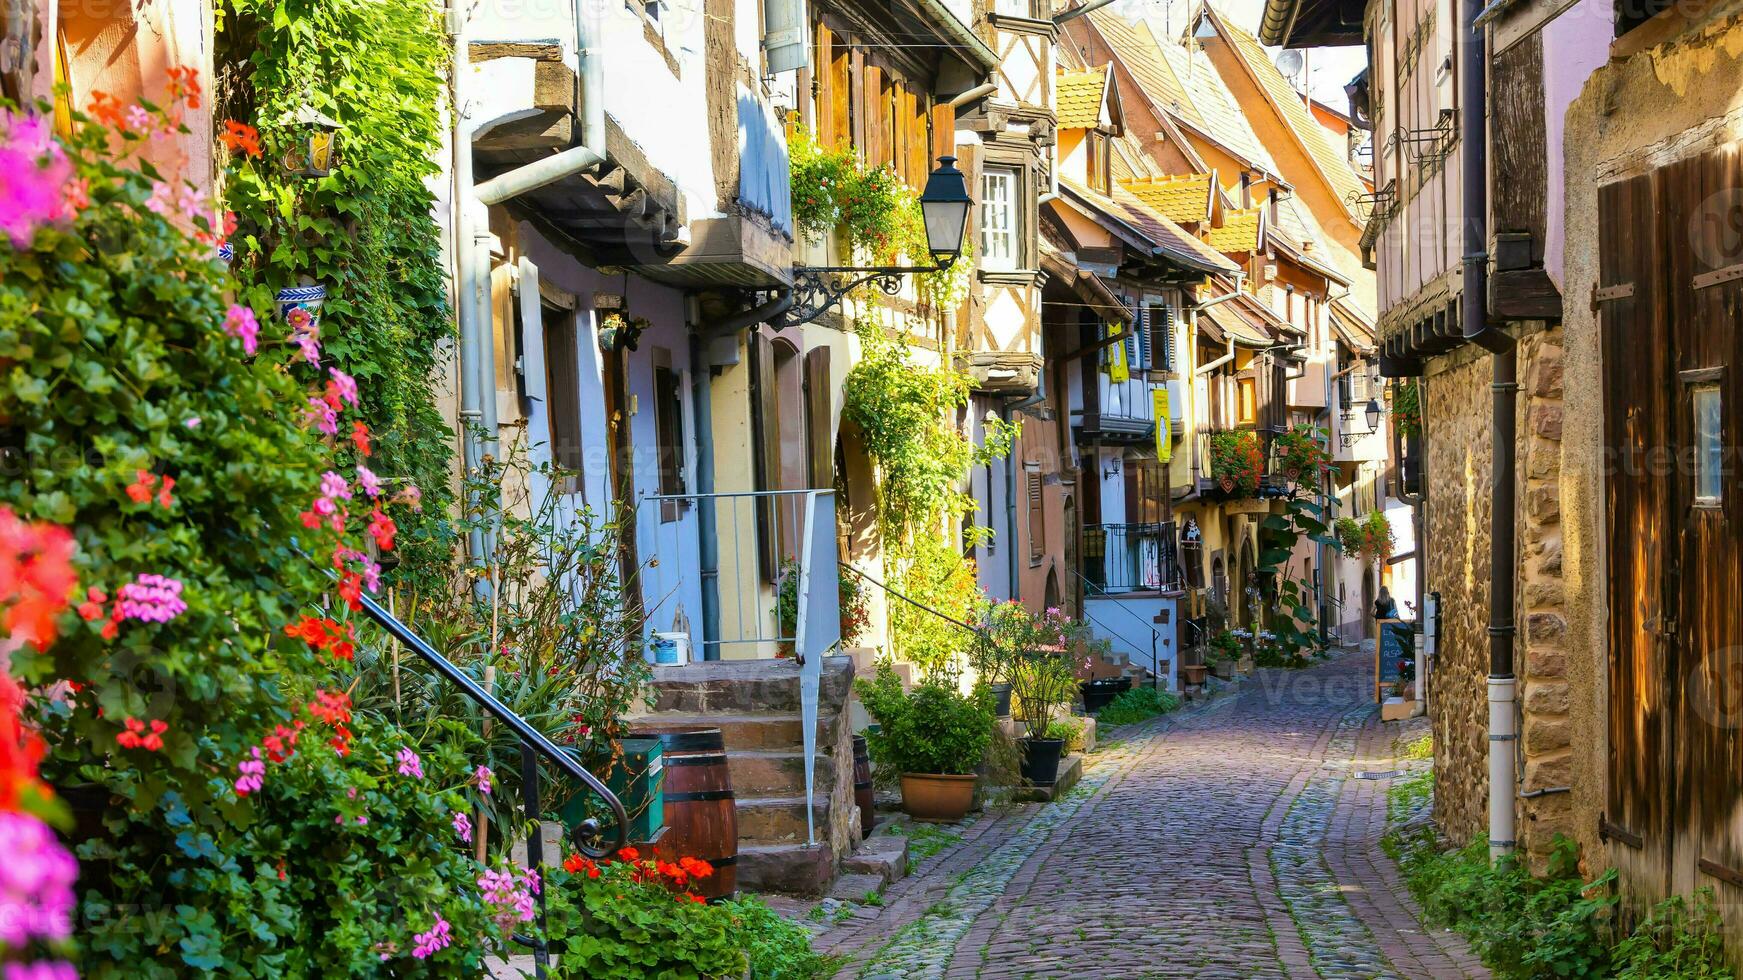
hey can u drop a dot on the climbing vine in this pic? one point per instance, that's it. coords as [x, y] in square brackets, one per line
[906, 413]
[365, 231]
[1407, 407]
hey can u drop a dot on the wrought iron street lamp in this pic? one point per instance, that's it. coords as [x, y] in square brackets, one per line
[944, 207]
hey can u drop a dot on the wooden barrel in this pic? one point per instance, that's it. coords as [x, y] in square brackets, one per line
[701, 819]
[862, 786]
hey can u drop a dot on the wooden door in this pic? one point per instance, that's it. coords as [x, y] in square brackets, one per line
[621, 450]
[1701, 200]
[1638, 535]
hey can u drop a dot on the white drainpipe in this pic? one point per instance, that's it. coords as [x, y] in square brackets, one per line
[471, 238]
[1503, 731]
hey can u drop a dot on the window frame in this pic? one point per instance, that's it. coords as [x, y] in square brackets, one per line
[1013, 232]
[1699, 474]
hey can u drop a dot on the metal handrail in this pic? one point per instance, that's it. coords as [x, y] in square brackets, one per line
[533, 744]
[1155, 635]
[530, 737]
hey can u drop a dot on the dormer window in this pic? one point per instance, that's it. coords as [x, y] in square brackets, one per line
[1100, 169]
[998, 218]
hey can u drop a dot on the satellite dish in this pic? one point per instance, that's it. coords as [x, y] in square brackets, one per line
[1290, 62]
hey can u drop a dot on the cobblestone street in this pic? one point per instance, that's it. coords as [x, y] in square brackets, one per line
[1236, 838]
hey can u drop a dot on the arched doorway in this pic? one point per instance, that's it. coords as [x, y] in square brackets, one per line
[1050, 598]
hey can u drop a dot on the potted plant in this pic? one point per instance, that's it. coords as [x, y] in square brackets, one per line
[1008, 628]
[1042, 676]
[934, 736]
[1225, 651]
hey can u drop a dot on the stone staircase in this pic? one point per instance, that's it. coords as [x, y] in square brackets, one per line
[756, 705]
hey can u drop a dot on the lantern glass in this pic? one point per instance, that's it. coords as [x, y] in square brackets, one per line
[1373, 413]
[944, 207]
[318, 135]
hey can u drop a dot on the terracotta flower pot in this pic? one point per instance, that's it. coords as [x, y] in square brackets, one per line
[937, 797]
[1193, 673]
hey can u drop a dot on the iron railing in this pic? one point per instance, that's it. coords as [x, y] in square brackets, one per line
[533, 745]
[746, 577]
[1121, 558]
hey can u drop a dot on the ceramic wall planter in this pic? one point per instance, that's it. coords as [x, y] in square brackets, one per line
[308, 298]
[936, 797]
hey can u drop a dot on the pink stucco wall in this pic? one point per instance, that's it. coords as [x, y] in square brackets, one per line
[1574, 45]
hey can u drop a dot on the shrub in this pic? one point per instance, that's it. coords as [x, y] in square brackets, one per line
[935, 729]
[1067, 730]
[184, 462]
[633, 918]
[1138, 704]
[779, 948]
[1676, 939]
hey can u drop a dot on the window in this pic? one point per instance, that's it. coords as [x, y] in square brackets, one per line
[563, 389]
[669, 429]
[1249, 402]
[998, 218]
[1709, 447]
[1099, 176]
[1159, 330]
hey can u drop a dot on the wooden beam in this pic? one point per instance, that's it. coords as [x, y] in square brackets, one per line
[1525, 294]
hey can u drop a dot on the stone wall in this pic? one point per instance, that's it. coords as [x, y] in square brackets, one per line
[1457, 414]
[1547, 731]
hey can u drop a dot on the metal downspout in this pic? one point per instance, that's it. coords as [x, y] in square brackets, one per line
[1503, 721]
[471, 390]
[471, 240]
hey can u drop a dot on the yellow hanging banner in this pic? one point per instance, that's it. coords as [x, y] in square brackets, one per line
[1164, 431]
[1118, 370]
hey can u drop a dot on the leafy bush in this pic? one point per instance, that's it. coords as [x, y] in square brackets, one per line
[1138, 704]
[779, 948]
[1676, 939]
[1067, 730]
[935, 729]
[184, 462]
[1302, 456]
[633, 917]
[367, 231]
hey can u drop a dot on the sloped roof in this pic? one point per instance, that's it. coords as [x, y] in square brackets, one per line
[1078, 98]
[1131, 221]
[1223, 119]
[1352, 327]
[1183, 199]
[1137, 51]
[1240, 231]
[1167, 232]
[1343, 180]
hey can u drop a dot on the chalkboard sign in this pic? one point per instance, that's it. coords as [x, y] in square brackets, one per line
[1394, 643]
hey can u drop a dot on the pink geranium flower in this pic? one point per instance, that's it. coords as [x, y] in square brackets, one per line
[37, 172]
[239, 322]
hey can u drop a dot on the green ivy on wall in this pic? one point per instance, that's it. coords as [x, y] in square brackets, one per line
[366, 230]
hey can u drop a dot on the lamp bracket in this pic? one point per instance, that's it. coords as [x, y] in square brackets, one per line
[819, 288]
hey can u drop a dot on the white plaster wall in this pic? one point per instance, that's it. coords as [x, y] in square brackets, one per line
[1127, 622]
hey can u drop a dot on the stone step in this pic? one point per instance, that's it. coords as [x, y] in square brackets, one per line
[792, 868]
[776, 773]
[780, 819]
[742, 686]
[884, 855]
[861, 888]
[750, 731]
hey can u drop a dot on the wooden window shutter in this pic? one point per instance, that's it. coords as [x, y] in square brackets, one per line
[784, 34]
[840, 94]
[1161, 334]
[766, 462]
[1137, 335]
[903, 131]
[1037, 517]
[819, 419]
[825, 85]
[872, 97]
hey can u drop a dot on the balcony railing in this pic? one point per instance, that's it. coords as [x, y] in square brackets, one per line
[1201, 466]
[1123, 558]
